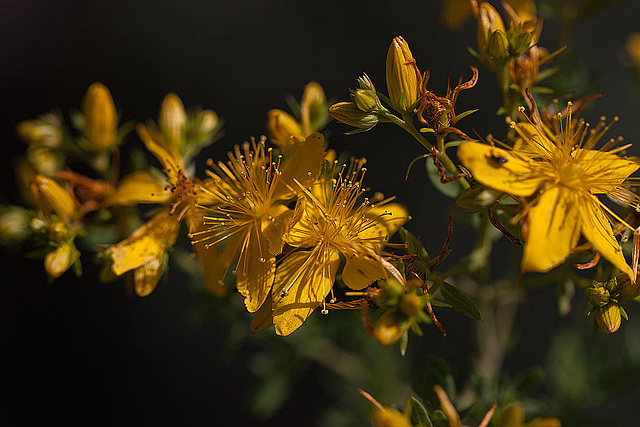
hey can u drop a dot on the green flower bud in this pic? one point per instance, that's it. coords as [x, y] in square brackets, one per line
[390, 327]
[597, 295]
[366, 100]
[488, 22]
[14, 225]
[411, 304]
[609, 318]
[498, 47]
[349, 113]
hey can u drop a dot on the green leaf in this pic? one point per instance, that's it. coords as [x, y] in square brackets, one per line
[459, 301]
[418, 415]
[463, 115]
[404, 342]
[415, 159]
[450, 189]
[414, 247]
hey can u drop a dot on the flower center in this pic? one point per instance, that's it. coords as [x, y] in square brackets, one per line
[571, 175]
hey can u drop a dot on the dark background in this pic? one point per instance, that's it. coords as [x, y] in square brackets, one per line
[80, 351]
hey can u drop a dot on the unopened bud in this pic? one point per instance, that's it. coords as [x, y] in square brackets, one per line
[14, 225]
[58, 231]
[101, 120]
[388, 417]
[172, 118]
[625, 288]
[282, 127]
[498, 47]
[609, 318]
[209, 120]
[313, 107]
[390, 327]
[60, 260]
[366, 100]
[401, 74]
[349, 113]
[520, 43]
[50, 196]
[488, 22]
[411, 304]
[598, 295]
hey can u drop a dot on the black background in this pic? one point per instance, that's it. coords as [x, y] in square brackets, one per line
[80, 351]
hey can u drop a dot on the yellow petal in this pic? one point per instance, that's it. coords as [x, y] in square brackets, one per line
[146, 276]
[168, 155]
[391, 216]
[263, 318]
[499, 169]
[301, 285]
[553, 230]
[302, 161]
[283, 128]
[604, 171]
[274, 227]
[362, 268]
[596, 228]
[138, 187]
[216, 260]
[146, 243]
[533, 142]
[255, 270]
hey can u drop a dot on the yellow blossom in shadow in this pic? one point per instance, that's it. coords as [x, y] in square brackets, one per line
[312, 116]
[331, 220]
[565, 172]
[248, 217]
[145, 250]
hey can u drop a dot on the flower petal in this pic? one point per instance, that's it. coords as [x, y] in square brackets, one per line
[604, 171]
[362, 268]
[301, 285]
[596, 228]
[553, 230]
[256, 268]
[500, 169]
[301, 161]
[138, 187]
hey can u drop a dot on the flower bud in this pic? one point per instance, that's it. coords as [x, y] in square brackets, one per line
[349, 113]
[632, 46]
[498, 47]
[402, 79]
[390, 328]
[282, 127]
[172, 118]
[101, 120]
[313, 107]
[388, 417]
[609, 318]
[411, 304]
[366, 100]
[45, 130]
[625, 288]
[58, 231]
[60, 260]
[14, 225]
[597, 295]
[50, 196]
[488, 21]
[511, 416]
[209, 121]
[520, 43]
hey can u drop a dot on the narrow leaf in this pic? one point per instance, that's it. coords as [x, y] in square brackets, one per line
[459, 301]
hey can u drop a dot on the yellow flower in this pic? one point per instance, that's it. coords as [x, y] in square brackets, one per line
[331, 220]
[248, 217]
[563, 167]
[145, 250]
[402, 75]
[101, 120]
